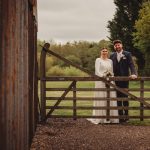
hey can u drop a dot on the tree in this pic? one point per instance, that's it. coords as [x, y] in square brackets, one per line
[82, 53]
[122, 25]
[142, 34]
[73, 59]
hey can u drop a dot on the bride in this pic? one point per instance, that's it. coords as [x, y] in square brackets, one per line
[103, 68]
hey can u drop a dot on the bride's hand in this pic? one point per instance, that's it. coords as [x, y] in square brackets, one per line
[107, 74]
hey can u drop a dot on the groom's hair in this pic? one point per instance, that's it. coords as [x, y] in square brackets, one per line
[117, 41]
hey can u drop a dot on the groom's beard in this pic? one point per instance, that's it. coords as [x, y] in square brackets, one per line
[119, 49]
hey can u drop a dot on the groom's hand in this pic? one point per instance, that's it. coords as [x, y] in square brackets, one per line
[133, 76]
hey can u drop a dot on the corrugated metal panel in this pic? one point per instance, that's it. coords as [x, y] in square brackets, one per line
[14, 75]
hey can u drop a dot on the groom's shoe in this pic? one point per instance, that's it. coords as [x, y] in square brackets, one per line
[121, 121]
[126, 120]
[127, 117]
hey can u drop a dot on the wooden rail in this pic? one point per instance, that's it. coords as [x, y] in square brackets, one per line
[75, 99]
[143, 101]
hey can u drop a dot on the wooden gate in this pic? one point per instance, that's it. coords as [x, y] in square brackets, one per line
[47, 108]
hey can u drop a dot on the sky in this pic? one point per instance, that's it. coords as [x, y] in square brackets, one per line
[74, 20]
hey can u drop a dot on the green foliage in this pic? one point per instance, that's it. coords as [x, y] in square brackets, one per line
[142, 34]
[64, 71]
[142, 26]
[55, 71]
[82, 53]
[71, 71]
[49, 63]
[122, 25]
[73, 59]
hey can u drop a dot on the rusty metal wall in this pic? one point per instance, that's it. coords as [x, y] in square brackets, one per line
[16, 69]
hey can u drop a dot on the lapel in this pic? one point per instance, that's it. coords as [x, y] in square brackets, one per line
[123, 53]
[115, 59]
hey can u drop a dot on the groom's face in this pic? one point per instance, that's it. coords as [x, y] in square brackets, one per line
[118, 47]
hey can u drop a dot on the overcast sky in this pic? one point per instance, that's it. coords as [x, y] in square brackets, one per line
[69, 20]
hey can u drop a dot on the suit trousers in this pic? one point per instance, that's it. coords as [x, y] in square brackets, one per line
[122, 103]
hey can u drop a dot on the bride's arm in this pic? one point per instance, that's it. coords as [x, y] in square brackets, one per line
[111, 70]
[97, 68]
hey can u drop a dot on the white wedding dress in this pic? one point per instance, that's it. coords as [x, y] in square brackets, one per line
[101, 66]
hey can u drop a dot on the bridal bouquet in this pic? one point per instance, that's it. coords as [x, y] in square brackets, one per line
[107, 74]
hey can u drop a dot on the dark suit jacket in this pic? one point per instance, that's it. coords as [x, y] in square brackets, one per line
[122, 68]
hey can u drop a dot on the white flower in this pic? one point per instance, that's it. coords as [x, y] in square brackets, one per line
[123, 56]
[107, 73]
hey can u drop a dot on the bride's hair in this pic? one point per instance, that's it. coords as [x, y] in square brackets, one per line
[103, 48]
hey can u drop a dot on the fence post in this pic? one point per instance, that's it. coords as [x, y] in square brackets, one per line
[141, 96]
[43, 82]
[74, 102]
[108, 102]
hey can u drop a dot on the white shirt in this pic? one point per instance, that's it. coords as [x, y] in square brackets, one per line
[119, 55]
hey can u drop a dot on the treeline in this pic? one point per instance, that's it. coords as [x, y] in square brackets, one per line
[131, 24]
[83, 53]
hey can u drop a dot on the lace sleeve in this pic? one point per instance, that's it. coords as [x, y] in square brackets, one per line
[111, 70]
[97, 68]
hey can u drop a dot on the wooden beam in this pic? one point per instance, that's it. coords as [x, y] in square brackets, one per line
[105, 80]
[61, 98]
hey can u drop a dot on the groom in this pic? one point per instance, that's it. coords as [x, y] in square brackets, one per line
[122, 62]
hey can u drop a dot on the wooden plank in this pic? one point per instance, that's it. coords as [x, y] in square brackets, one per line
[108, 103]
[74, 102]
[96, 78]
[56, 78]
[43, 83]
[97, 89]
[60, 99]
[32, 75]
[32, 2]
[97, 108]
[141, 96]
[14, 75]
[104, 117]
[80, 89]
[105, 80]
[96, 98]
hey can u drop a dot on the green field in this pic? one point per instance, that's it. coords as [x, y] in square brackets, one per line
[90, 84]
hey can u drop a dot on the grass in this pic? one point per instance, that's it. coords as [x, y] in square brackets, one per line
[90, 103]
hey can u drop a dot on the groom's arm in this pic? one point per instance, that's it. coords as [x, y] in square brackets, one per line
[131, 64]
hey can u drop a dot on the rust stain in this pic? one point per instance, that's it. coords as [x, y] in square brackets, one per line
[17, 73]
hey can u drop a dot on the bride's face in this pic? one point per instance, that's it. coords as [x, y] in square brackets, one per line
[104, 53]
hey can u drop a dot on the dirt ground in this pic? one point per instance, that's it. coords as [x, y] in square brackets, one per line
[67, 134]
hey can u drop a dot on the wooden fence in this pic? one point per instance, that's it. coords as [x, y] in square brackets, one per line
[48, 110]
[75, 99]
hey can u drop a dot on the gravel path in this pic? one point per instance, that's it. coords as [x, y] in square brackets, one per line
[67, 134]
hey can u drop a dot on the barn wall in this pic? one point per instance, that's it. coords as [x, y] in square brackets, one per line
[16, 84]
